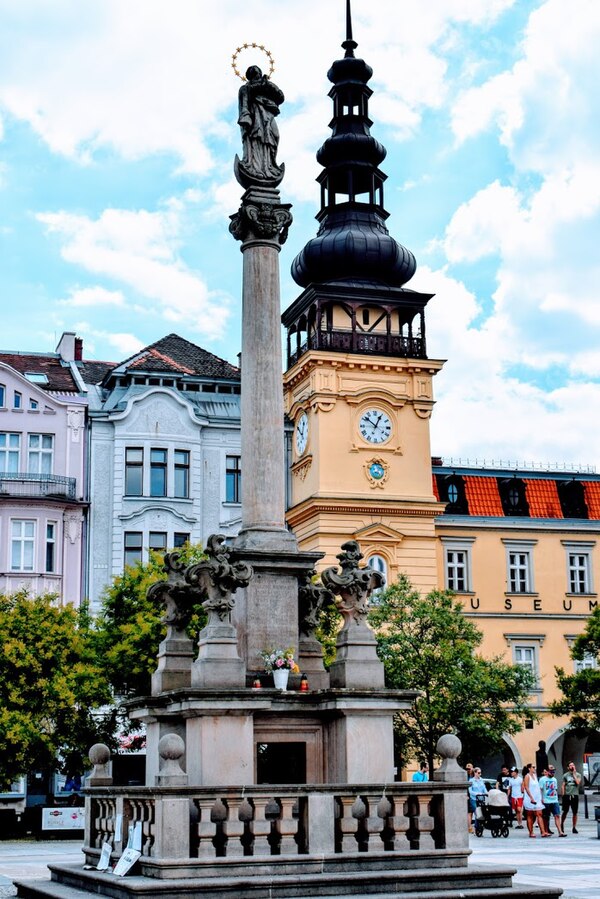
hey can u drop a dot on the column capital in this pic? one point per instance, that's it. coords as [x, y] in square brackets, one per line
[261, 219]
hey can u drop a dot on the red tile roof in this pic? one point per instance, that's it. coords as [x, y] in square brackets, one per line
[483, 496]
[436, 492]
[60, 379]
[592, 498]
[542, 497]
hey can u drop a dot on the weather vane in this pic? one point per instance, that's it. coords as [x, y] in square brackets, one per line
[267, 53]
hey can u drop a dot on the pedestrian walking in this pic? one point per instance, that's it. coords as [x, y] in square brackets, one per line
[570, 794]
[476, 788]
[532, 802]
[549, 788]
[515, 791]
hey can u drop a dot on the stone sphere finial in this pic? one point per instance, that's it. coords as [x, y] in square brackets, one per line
[171, 747]
[449, 746]
[99, 754]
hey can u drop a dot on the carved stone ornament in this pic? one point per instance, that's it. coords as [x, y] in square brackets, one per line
[173, 594]
[312, 598]
[352, 585]
[217, 578]
[267, 221]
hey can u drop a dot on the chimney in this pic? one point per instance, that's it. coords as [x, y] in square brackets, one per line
[78, 349]
[66, 346]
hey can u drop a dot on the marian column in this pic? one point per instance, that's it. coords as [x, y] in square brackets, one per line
[266, 614]
[261, 224]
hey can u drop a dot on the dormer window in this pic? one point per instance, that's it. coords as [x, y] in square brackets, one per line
[572, 499]
[513, 496]
[452, 491]
[36, 377]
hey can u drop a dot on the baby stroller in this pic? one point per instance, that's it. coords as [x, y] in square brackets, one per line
[494, 818]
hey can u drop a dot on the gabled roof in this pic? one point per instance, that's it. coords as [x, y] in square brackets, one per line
[177, 355]
[60, 378]
[93, 372]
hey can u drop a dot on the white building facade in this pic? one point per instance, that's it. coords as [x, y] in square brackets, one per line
[165, 464]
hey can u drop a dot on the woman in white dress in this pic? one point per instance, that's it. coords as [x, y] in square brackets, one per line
[532, 802]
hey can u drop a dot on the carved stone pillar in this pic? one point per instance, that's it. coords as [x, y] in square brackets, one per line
[176, 652]
[357, 665]
[217, 578]
[312, 598]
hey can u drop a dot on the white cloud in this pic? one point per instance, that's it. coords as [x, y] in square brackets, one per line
[140, 249]
[125, 344]
[92, 296]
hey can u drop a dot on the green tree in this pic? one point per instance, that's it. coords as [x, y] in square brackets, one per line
[50, 685]
[427, 644]
[129, 629]
[581, 692]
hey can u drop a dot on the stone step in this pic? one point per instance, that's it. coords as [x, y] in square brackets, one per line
[465, 883]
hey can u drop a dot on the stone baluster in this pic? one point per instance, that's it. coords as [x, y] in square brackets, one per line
[261, 826]
[347, 825]
[425, 823]
[287, 826]
[374, 823]
[142, 811]
[206, 827]
[399, 824]
[234, 827]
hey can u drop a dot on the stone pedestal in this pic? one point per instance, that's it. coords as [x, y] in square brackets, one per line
[175, 657]
[266, 611]
[356, 665]
[218, 663]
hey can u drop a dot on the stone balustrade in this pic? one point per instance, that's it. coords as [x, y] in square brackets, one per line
[206, 823]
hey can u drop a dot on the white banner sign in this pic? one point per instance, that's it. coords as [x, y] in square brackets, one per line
[63, 818]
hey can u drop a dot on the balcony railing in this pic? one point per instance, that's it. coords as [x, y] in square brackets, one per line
[24, 483]
[348, 341]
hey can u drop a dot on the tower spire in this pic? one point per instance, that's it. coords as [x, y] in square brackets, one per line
[349, 44]
[353, 243]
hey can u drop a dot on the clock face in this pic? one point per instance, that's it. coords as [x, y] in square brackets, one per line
[375, 426]
[301, 433]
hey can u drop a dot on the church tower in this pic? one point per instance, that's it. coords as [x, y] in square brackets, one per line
[358, 385]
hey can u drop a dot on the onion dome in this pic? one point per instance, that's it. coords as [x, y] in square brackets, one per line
[353, 242]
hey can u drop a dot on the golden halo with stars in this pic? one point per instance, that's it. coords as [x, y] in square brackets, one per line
[254, 46]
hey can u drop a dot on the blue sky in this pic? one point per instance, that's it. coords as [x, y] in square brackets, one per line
[117, 135]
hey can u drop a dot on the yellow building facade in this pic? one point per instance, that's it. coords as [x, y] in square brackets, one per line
[519, 548]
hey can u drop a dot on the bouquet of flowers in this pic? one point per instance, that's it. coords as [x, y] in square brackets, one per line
[280, 659]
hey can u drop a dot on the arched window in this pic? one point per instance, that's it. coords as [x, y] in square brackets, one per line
[378, 563]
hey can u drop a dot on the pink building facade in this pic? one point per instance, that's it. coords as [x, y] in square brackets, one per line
[43, 508]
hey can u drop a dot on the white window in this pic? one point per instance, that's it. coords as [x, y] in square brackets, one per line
[40, 453]
[51, 546]
[18, 400]
[457, 564]
[587, 662]
[22, 545]
[2, 396]
[579, 566]
[525, 650]
[519, 565]
[9, 452]
[525, 656]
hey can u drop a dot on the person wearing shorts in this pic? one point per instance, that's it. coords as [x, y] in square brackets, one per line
[570, 795]
[549, 787]
[515, 791]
